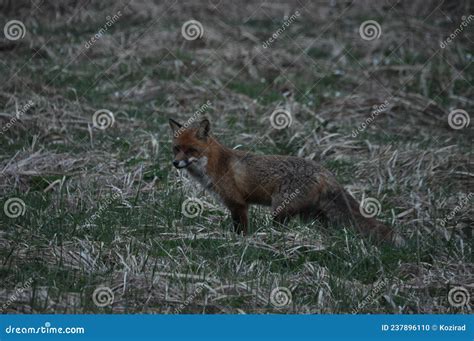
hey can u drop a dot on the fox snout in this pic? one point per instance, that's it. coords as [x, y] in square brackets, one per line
[181, 163]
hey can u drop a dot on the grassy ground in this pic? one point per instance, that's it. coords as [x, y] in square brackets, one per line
[103, 208]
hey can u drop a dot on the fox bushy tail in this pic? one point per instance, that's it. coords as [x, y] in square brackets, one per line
[341, 208]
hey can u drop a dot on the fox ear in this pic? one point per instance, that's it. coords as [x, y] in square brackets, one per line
[203, 129]
[174, 125]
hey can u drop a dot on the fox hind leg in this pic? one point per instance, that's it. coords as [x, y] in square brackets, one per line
[311, 214]
[282, 210]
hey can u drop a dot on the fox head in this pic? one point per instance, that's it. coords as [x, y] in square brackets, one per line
[190, 144]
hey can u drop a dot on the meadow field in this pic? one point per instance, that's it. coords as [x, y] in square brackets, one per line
[94, 218]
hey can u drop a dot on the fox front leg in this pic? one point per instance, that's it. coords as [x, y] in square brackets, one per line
[239, 218]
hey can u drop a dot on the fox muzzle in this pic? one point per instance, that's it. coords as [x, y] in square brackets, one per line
[181, 163]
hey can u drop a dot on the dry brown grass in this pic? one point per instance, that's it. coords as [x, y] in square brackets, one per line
[142, 69]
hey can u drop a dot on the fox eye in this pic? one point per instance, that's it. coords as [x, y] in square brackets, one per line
[192, 150]
[176, 149]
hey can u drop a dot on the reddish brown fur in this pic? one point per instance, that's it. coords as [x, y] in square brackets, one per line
[240, 179]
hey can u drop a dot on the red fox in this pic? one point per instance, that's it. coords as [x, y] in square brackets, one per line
[290, 185]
